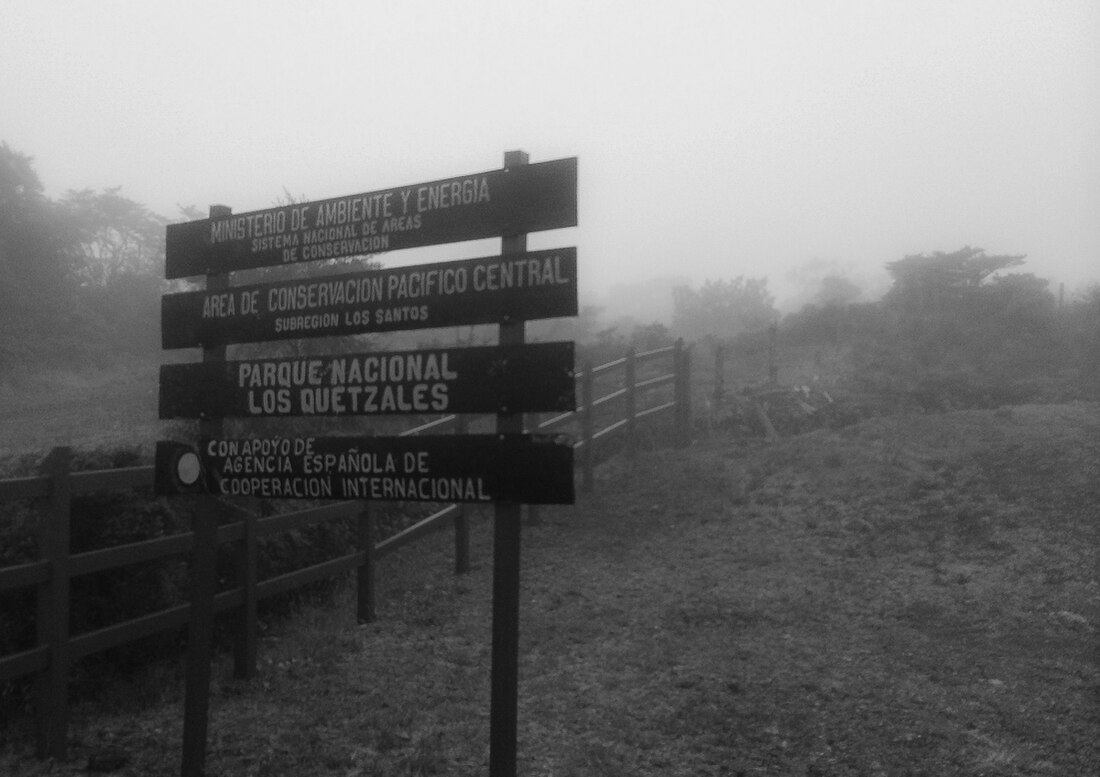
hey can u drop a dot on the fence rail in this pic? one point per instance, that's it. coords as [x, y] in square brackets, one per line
[52, 574]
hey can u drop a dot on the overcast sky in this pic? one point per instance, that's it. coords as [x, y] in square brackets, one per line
[715, 139]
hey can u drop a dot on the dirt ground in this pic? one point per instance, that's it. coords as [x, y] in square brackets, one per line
[912, 595]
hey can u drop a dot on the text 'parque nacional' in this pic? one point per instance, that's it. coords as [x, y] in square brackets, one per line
[536, 377]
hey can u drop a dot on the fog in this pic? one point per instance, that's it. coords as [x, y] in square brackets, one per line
[716, 140]
[822, 538]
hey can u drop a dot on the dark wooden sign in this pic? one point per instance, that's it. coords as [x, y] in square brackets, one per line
[529, 378]
[488, 290]
[533, 469]
[527, 198]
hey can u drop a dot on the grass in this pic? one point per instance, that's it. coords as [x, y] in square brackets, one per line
[914, 595]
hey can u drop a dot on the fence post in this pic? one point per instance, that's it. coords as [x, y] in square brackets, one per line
[204, 585]
[686, 357]
[631, 401]
[462, 525]
[682, 382]
[53, 608]
[587, 455]
[719, 374]
[365, 588]
[678, 390]
[244, 655]
[507, 523]
[773, 354]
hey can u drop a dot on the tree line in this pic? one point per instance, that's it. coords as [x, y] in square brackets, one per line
[81, 279]
[80, 276]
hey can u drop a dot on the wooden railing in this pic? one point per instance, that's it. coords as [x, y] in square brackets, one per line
[639, 385]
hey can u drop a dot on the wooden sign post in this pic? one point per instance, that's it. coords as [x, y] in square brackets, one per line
[507, 469]
[507, 520]
[204, 579]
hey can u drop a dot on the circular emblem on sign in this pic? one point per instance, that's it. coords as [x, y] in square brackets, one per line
[188, 469]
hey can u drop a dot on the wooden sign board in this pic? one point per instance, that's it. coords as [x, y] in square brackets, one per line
[528, 198]
[488, 290]
[486, 379]
[532, 469]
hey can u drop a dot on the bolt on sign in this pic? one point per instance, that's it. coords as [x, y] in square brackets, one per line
[526, 198]
[489, 290]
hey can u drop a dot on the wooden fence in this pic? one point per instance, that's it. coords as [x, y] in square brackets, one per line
[637, 386]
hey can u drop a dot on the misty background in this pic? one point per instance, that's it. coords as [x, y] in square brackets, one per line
[751, 156]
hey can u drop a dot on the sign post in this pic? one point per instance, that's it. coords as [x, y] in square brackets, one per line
[506, 564]
[204, 580]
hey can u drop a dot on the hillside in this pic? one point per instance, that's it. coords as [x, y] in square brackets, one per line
[909, 595]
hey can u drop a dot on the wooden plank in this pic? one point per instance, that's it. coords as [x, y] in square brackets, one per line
[365, 575]
[610, 428]
[112, 479]
[22, 575]
[82, 483]
[507, 523]
[609, 397]
[487, 290]
[588, 422]
[230, 532]
[462, 523]
[508, 201]
[204, 584]
[651, 382]
[131, 553]
[534, 469]
[52, 695]
[146, 625]
[631, 403]
[557, 420]
[27, 662]
[301, 577]
[129, 631]
[658, 409]
[300, 518]
[607, 366]
[419, 529]
[24, 488]
[482, 379]
[438, 424]
[654, 353]
[247, 559]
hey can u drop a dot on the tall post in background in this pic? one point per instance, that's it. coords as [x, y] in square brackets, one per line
[52, 701]
[244, 648]
[773, 366]
[631, 401]
[503, 701]
[365, 575]
[587, 421]
[719, 374]
[462, 521]
[685, 356]
[204, 581]
[681, 361]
